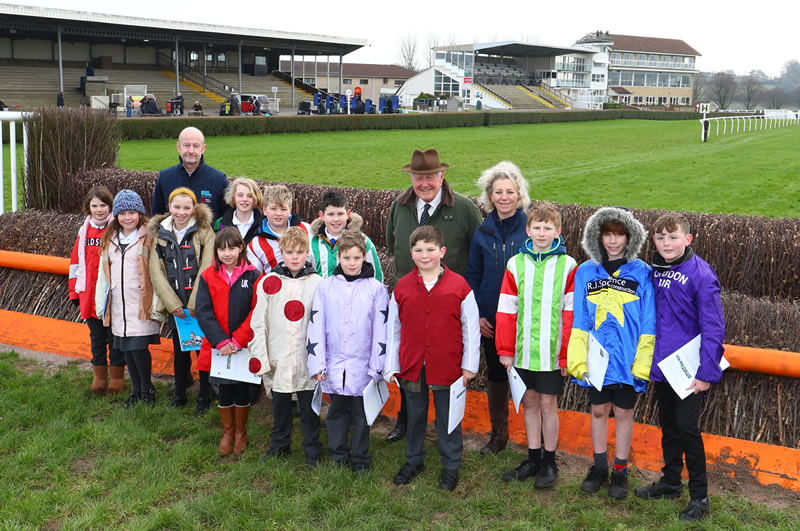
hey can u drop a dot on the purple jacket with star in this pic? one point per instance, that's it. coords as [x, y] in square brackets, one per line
[688, 303]
[347, 333]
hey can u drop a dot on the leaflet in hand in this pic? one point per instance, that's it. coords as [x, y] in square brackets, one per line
[518, 387]
[234, 367]
[680, 367]
[375, 396]
[189, 333]
[597, 362]
[316, 400]
[458, 404]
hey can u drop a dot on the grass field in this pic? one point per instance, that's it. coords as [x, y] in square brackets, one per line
[73, 461]
[6, 171]
[640, 164]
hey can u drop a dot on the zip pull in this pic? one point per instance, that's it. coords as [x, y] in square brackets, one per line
[174, 264]
[176, 284]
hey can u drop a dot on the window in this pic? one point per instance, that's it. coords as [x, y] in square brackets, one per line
[627, 78]
[309, 80]
[346, 81]
[652, 79]
[628, 58]
[653, 60]
[638, 79]
[613, 78]
[686, 81]
[684, 101]
[626, 100]
[616, 57]
[598, 78]
[398, 82]
[666, 60]
[221, 57]
[675, 80]
[363, 81]
[662, 100]
[673, 100]
[663, 80]
[194, 56]
[651, 100]
[637, 100]
[385, 80]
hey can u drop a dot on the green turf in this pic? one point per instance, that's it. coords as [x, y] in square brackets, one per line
[6, 171]
[637, 163]
[73, 461]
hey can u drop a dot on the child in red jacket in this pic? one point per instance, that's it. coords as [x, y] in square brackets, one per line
[83, 268]
[225, 302]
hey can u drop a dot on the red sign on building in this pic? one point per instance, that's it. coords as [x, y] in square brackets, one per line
[468, 81]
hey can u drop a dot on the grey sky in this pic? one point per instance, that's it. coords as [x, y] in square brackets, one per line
[729, 35]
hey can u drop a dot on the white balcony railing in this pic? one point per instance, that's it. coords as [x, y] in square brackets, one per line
[652, 64]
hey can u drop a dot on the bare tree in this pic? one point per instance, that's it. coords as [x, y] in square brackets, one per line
[408, 51]
[699, 86]
[722, 88]
[432, 42]
[751, 91]
[775, 98]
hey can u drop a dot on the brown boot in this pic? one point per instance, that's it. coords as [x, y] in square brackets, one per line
[100, 377]
[240, 436]
[498, 413]
[117, 380]
[228, 424]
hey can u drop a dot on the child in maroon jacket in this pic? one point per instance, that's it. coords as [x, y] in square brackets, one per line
[83, 268]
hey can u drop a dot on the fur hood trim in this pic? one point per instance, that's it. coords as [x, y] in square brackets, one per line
[202, 218]
[592, 244]
[355, 224]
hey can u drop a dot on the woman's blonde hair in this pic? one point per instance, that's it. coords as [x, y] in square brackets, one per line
[255, 191]
[503, 170]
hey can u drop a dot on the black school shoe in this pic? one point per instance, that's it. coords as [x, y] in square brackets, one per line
[397, 434]
[149, 397]
[696, 510]
[360, 469]
[525, 470]
[132, 400]
[618, 489]
[595, 479]
[408, 472]
[658, 490]
[202, 406]
[546, 478]
[276, 452]
[448, 480]
[178, 401]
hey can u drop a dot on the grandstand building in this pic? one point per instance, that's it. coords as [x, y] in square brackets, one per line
[44, 51]
[599, 67]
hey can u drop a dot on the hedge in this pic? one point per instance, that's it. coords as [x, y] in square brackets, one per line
[157, 128]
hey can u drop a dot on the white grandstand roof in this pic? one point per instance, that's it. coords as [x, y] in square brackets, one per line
[513, 48]
[120, 20]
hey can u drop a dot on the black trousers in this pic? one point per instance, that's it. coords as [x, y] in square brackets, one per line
[451, 445]
[139, 369]
[282, 422]
[182, 369]
[234, 394]
[680, 435]
[342, 410]
[496, 371]
[102, 342]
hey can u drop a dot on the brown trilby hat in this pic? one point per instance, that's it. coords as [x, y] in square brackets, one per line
[424, 162]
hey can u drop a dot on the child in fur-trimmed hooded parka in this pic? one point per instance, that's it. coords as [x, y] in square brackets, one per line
[183, 247]
[613, 301]
[347, 347]
[336, 219]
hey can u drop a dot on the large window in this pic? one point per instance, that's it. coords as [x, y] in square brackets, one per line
[663, 80]
[652, 79]
[613, 78]
[627, 78]
[598, 78]
[673, 100]
[637, 100]
[684, 101]
[638, 79]
[444, 85]
[347, 81]
[651, 100]
[363, 81]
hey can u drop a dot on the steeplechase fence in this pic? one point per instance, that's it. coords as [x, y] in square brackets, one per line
[770, 119]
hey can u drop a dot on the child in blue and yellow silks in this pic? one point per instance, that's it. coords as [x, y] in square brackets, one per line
[614, 302]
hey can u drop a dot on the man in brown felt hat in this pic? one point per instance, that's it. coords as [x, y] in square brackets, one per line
[429, 201]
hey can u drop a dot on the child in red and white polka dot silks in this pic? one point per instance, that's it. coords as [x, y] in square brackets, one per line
[280, 346]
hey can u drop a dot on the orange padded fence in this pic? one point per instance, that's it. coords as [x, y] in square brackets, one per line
[767, 463]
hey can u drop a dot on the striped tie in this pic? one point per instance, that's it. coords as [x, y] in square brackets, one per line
[423, 219]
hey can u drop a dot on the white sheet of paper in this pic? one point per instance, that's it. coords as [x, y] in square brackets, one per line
[518, 387]
[597, 362]
[375, 396]
[458, 404]
[316, 400]
[234, 367]
[680, 367]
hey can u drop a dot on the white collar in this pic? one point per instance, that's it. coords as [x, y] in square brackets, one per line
[434, 203]
[248, 222]
[331, 236]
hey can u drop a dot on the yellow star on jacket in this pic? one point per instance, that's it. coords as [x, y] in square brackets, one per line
[610, 301]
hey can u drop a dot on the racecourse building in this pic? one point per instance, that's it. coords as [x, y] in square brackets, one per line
[45, 50]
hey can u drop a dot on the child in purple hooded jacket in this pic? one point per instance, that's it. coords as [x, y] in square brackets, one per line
[687, 294]
[347, 347]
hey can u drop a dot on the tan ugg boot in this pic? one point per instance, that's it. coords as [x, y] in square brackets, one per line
[116, 382]
[228, 425]
[100, 377]
[240, 438]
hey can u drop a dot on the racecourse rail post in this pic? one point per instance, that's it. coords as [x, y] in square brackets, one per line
[12, 118]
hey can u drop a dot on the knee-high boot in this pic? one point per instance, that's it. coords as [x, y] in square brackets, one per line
[498, 413]
[228, 426]
[240, 413]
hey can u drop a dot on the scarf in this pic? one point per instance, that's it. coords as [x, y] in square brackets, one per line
[80, 281]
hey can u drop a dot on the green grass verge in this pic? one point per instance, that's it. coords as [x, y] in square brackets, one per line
[6, 173]
[637, 163]
[73, 461]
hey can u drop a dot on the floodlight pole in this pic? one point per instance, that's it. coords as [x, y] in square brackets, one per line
[292, 75]
[60, 63]
[240, 70]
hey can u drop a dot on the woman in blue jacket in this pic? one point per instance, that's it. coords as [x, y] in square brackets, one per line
[500, 236]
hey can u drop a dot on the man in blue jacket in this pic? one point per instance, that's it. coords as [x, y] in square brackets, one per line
[207, 183]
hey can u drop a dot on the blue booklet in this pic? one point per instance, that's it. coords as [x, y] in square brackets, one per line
[189, 333]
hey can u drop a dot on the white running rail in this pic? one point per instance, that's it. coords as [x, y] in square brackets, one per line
[12, 118]
[758, 122]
